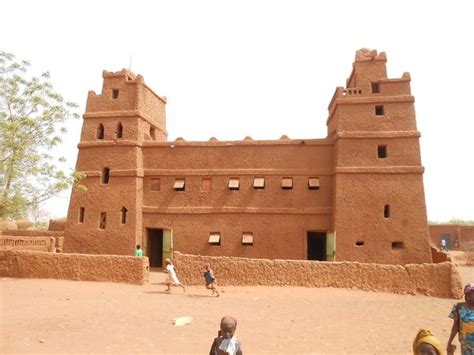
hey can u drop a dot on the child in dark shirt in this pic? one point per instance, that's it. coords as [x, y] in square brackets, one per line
[210, 279]
[226, 343]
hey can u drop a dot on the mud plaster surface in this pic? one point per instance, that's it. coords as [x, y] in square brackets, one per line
[53, 316]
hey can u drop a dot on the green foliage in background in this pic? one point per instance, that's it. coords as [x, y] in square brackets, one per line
[32, 115]
[460, 222]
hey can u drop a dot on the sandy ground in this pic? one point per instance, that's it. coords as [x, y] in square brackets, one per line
[53, 316]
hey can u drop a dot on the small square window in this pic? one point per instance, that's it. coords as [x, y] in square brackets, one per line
[206, 184]
[398, 245]
[313, 183]
[247, 238]
[214, 238]
[259, 183]
[287, 183]
[234, 184]
[379, 110]
[386, 211]
[382, 151]
[155, 184]
[179, 185]
[375, 88]
[115, 93]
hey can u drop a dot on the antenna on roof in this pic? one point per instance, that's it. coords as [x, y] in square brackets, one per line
[130, 63]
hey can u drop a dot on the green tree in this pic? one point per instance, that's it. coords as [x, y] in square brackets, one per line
[32, 115]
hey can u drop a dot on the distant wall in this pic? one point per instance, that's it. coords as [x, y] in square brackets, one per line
[461, 237]
[31, 233]
[79, 267]
[56, 225]
[440, 280]
[46, 244]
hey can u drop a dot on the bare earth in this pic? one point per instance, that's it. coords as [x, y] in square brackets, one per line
[52, 316]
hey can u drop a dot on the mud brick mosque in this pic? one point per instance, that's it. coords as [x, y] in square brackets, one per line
[355, 195]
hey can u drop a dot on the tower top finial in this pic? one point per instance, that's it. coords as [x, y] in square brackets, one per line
[365, 54]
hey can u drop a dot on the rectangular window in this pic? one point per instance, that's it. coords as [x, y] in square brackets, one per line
[382, 151]
[155, 184]
[398, 245]
[247, 238]
[105, 175]
[259, 183]
[179, 185]
[386, 211]
[287, 183]
[206, 184]
[123, 215]
[375, 88]
[214, 238]
[115, 93]
[234, 184]
[103, 220]
[379, 111]
[82, 211]
[313, 183]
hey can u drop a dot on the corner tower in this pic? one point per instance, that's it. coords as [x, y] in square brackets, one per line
[379, 204]
[107, 217]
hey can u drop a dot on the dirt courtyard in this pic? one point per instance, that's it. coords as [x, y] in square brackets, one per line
[53, 316]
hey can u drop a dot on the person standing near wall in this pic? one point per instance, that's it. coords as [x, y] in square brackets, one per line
[139, 250]
[443, 245]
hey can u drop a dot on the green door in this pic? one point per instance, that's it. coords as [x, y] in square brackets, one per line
[331, 246]
[167, 244]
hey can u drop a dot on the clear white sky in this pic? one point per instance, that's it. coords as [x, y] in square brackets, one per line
[263, 68]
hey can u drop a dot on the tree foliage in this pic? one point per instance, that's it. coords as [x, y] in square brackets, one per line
[460, 222]
[32, 115]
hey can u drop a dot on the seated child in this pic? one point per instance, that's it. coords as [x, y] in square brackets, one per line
[226, 342]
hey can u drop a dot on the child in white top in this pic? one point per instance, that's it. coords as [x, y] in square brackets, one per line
[172, 279]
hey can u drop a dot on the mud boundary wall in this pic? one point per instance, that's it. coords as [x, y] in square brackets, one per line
[78, 267]
[438, 280]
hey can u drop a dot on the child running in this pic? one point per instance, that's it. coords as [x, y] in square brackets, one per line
[210, 279]
[226, 342]
[463, 323]
[172, 279]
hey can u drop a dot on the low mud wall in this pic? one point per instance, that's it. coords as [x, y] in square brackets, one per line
[79, 267]
[31, 233]
[28, 243]
[439, 280]
[439, 256]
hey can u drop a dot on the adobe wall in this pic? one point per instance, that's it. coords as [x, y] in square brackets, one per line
[56, 225]
[78, 267]
[45, 244]
[439, 280]
[31, 233]
[360, 218]
[439, 256]
[462, 237]
[275, 235]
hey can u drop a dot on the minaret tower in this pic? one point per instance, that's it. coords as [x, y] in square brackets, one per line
[107, 217]
[379, 204]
